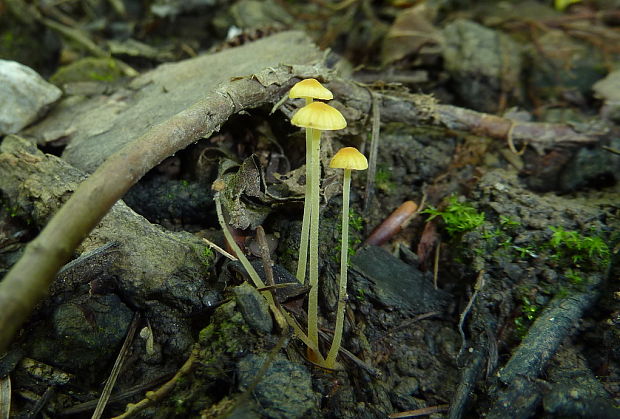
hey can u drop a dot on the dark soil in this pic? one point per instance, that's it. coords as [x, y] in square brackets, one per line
[499, 297]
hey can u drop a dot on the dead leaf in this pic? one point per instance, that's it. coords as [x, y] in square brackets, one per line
[412, 30]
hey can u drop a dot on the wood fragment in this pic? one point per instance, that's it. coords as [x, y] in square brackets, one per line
[424, 411]
[374, 151]
[116, 369]
[392, 224]
[436, 265]
[40, 404]
[518, 397]
[153, 397]
[219, 249]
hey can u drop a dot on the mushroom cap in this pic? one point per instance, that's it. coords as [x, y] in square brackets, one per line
[310, 88]
[319, 115]
[349, 158]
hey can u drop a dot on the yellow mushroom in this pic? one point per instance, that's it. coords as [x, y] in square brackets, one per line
[309, 89]
[347, 158]
[320, 117]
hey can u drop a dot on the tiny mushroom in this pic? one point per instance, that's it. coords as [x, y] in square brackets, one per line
[320, 117]
[347, 158]
[309, 89]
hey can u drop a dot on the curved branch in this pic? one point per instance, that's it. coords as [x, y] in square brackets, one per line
[29, 279]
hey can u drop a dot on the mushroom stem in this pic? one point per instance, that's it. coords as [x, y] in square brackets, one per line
[282, 317]
[258, 282]
[342, 286]
[315, 175]
[305, 225]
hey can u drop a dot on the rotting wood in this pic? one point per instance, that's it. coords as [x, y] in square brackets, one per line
[518, 397]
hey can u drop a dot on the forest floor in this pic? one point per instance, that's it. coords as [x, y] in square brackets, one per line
[483, 238]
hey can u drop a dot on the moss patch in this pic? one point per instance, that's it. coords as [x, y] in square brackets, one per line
[88, 69]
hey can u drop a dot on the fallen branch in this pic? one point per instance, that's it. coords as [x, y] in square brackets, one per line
[29, 279]
[420, 109]
[516, 395]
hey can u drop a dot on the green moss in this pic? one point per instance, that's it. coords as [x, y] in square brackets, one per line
[7, 38]
[575, 277]
[580, 250]
[526, 251]
[180, 405]
[205, 334]
[207, 256]
[356, 224]
[356, 221]
[491, 233]
[508, 222]
[383, 179]
[13, 211]
[529, 313]
[458, 217]
[227, 336]
[88, 69]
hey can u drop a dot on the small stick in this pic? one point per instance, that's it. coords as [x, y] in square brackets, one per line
[277, 286]
[116, 369]
[34, 412]
[363, 365]
[408, 323]
[436, 264]
[424, 411]
[160, 393]
[400, 217]
[477, 288]
[130, 392]
[265, 256]
[611, 150]
[268, 267]
[374, 151]
[5, 396]
[219, 250]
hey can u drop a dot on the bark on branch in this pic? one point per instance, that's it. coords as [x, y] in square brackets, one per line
[29, 279]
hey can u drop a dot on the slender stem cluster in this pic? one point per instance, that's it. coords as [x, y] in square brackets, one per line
[315, 117]
[347, 158]
[342, 286]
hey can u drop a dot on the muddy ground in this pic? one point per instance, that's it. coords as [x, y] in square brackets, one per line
[497, 296]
